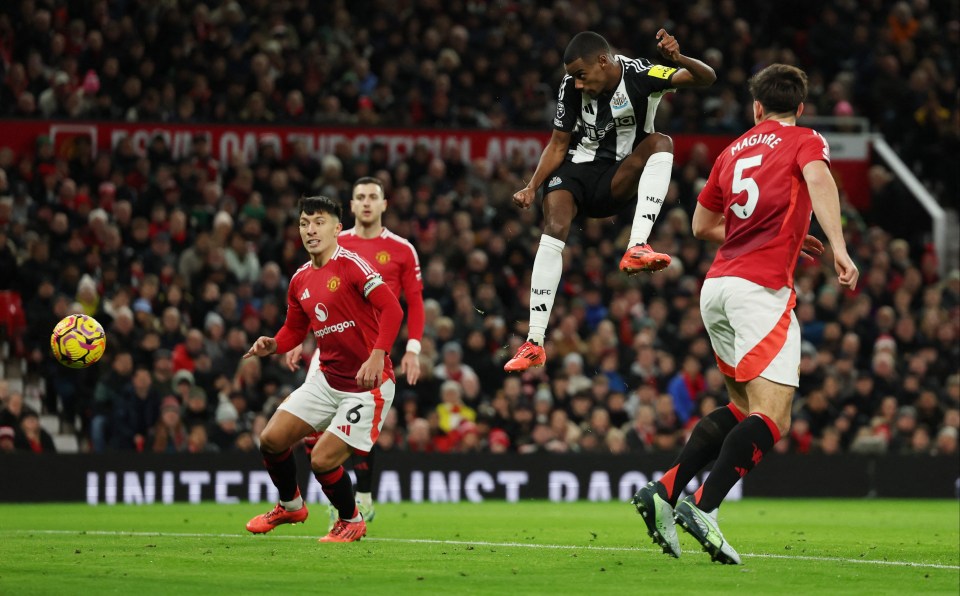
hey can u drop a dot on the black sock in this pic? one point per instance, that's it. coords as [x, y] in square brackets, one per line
[337, 486]
[364, 470]
[702, 448]
[283, 471]
[743, 449]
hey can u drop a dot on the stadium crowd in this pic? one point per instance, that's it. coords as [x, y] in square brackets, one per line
[186, 261]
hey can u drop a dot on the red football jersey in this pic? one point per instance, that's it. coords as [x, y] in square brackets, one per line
[332, 302]
[757, 184]
[393, 256]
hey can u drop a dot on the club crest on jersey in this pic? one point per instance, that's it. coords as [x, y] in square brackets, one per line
[619, 100]
[383, 257]
[554, 181]
[321, 311]
[333, 283]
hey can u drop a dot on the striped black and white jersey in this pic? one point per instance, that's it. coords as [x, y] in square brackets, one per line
[609, 126]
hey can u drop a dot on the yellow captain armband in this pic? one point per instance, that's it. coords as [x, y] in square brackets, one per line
[661, 72]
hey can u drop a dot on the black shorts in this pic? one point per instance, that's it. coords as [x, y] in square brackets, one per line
[589, 183]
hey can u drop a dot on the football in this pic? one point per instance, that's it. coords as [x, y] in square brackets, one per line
[78, 341]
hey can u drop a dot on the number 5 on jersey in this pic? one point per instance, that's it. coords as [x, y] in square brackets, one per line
[742, 183]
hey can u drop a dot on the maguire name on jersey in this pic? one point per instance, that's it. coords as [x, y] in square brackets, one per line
[609, 126]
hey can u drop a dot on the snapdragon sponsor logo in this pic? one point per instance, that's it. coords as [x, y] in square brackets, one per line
[335, 328]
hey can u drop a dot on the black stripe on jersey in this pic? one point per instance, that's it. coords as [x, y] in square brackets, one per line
[612, 125]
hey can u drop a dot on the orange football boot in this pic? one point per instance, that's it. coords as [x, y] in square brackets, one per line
[643, 258]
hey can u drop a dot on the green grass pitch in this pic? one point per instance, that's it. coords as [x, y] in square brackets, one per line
[533, 547]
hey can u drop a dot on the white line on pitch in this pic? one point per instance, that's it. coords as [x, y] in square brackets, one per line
[480, 543]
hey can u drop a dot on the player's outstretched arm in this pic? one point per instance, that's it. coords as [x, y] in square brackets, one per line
[550, 160]
[693, 72]
[826, 205]
[263, 346]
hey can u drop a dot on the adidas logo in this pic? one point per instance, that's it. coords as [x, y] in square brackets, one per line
[345, 429]
[305, 295]
[554, 181]
[650, 216]
[540, 308]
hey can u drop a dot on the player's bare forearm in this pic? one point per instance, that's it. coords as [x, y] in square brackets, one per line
[693, 73]
[826, 202]
[716, 233]
[826, 205]
[410, 366]
[292, 358]
[701, 74]
[708, 225]
[550, 160]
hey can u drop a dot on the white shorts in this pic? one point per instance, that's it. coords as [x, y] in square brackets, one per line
[314, 365]
[753, 329]
[356, 418]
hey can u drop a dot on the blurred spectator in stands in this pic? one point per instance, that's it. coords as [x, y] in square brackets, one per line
[946, 442]
[452, 367]
[451, 410]
[829, 443]
[893, 209]
[224, 432]
[186, 351]
[418, 436]
[107, 398]
[498, 441]
[242, 259]
[168, 435]
[7, 439]
[198, 441]
[193, 398]
[162, 370]
[32, 436]
[136, 413]
[13, 409]
[685, 386]
[929, 411]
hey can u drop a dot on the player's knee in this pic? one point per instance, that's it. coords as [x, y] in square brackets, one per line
[269, 445]
[321, 461]
[556, 229]
[660, 143]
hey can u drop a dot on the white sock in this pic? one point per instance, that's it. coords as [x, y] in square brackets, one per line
[547, 267]
[355, 518]
[294, 505]
[365, 499]
[654, 182]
